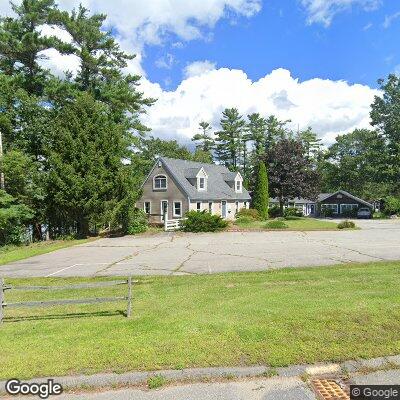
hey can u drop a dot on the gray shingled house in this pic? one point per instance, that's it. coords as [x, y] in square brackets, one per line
[339, 202]
[175, 186]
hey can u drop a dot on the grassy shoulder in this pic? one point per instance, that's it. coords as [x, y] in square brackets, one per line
[277, 317]
[14, 253]
[297, 224]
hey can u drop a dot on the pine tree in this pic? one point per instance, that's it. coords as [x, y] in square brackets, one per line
[228, 140]
[261, 194]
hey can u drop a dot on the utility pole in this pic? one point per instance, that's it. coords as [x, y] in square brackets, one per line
[1, 156]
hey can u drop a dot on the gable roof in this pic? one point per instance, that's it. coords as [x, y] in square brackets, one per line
[322, 197]
[325, 196]
[217, 187]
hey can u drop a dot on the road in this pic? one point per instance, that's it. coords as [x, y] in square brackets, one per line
[184, 254]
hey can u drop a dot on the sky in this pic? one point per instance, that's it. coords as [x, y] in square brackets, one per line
[314, 62]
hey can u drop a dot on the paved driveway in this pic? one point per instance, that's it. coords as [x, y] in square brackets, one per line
[181, 254]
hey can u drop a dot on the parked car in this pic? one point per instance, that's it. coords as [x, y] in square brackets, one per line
[364, 212]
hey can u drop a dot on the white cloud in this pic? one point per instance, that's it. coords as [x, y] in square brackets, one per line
[329, 107]
[165, 62]
[390, 18]
[323, 11]
[198, 68]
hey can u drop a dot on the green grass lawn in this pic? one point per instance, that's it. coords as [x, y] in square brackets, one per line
[278, 317]
[298, 224]
[15, 253]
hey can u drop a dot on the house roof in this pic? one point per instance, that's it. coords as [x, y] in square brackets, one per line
[322, 197]
[217, 187]
[325, 196]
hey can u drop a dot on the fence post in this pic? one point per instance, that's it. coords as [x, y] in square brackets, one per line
[1, 299]
[129, 308]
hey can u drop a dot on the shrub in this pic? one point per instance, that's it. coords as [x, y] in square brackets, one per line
[378, 215]
[203, 222]
[391, 206]
[276, 224]
[260, 194]
[156, 381]
[292, 212]
[244, 220]
[274, 212]
[248, 213]
[326, 212]
[138, 222]
[346, 225]
[291, 218]
[350, 213]
[13, 217]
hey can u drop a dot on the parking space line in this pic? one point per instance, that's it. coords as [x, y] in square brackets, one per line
[63, 269]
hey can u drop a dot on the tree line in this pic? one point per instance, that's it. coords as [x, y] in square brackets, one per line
[76, 152]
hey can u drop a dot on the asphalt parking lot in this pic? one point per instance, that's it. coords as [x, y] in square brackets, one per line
[185, 254]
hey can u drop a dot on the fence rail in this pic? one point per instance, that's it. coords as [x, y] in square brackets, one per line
[48, 303]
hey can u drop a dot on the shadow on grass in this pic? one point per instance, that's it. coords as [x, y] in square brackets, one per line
[65, 316]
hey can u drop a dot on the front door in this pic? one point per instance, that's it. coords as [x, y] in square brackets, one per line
[164, 209]
[312, 209]
[223, 209]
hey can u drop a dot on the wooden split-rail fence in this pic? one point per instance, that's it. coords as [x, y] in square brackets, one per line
[4, 288]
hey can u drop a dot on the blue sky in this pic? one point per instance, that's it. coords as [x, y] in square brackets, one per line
[314, 62]
[356, 46]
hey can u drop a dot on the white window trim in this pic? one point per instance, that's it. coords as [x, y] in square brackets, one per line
[349, 204]
[238, 178]
[336, 205]
[201, 189]
[161, 209]
[173, 211]
[144, 206]
[198, 202]
[211, 210]
[154, 181]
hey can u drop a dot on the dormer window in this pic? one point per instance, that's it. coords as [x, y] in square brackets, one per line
[160, 182]
[202, 183]
[238, 186]
[238, 183]
[201, 179]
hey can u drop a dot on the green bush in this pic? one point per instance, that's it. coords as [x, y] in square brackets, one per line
[276, 224]
[292, 212]
[346, 225]
[248, 213]
[326, 212]
[13, 217]
[291, 218]
[203, 222]
[244, 220]
[391, 206]
[350, 213]
[156, 381]
[274, 212]
[138, 222]
[379, 215]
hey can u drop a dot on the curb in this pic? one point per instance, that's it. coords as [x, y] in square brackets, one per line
[196, 374]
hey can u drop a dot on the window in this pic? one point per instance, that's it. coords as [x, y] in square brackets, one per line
[245, 204]
[202, 183]
[237, 206]
[198, 206]
[347, 208]
[333, 207]
[210, 207]
[160, 182]
[238, 186]
[147, 207]
[177, 209]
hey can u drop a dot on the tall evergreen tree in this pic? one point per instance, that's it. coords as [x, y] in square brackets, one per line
[85, 165]
[21, 44]
[257, 128]
[276, 130]
[261, 193]
[228, 140]
[385, 115]
[311, 142]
